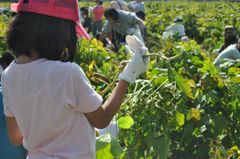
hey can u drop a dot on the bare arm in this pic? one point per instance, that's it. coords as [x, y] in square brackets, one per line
[101, 117]
[14, 133]
[138, 64]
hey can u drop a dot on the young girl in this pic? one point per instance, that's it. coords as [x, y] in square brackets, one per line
[50, 105]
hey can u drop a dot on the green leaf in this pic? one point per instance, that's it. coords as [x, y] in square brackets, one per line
[180, 119]
[109, 147]
[234, 71]
[125, 122]
[164, 146]
[185, 85]
[234, 148]
[116, 150]
[220, 124]
[236, 79]
[187, 132]
[160, 79]
[195, 114]
[104, 153]
[103, 141]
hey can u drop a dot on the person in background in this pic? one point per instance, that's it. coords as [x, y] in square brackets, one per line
[49, 103]
[111, 129]
[115, 36]
[142, 16]
[136, 5]
[7, 150]
[230, 37]
[176, 29]
[97, 23]
[122, 22]
[87, 21]
[231, 52]
[119, 4]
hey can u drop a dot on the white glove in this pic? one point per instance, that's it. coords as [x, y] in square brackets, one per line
[135, 31]
[138, 63]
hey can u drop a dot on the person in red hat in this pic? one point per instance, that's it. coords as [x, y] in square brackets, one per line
[50, 106]
[97, 23]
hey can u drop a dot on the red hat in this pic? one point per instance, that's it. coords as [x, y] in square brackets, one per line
[65, 9]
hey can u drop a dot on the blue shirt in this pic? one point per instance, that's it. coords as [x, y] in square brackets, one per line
[7, 150]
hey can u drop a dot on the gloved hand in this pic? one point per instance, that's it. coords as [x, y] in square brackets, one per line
[139, 61]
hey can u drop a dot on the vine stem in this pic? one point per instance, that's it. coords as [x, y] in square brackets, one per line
[112, 83]
[161, 55]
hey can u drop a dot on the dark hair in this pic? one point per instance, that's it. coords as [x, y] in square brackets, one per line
[140, 14]
[111, 13]
[100, 2]
[48, 36]
[84, 10]
[228, 41]
[6, 58]
[230, 31]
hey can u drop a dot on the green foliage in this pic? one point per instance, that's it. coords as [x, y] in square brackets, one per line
[4, 19]
[108, 147]
[125, 122]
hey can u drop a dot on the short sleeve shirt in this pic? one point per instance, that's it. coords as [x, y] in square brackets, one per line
[126, 20]
[98, 12]
[176, 29]
[48, 100]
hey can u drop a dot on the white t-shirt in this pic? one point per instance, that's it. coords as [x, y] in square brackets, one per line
[48, 99]
[175, 28]
[231, 52]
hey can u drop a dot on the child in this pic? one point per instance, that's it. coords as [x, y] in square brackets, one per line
[50, 105]
[87, 21]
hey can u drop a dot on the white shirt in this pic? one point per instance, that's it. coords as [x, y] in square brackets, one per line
[231, 52]
[175, 28]
[48, 99]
